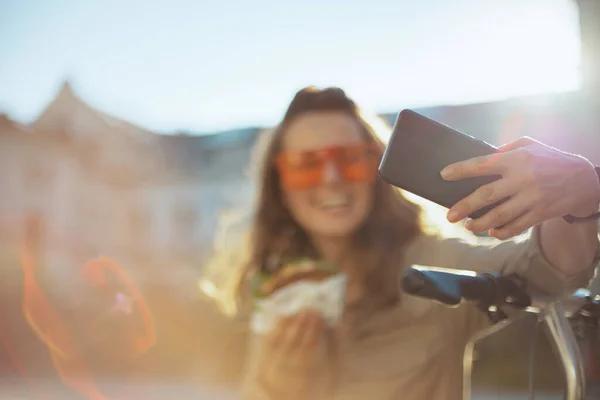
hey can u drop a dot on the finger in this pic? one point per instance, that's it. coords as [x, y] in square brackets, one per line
[517, 144]
[295, 331]
[272, 349]
[517, 226]
[493, 164]
[293, 338]
[310, 335]
[314, 331]
[501, 215]
[276, 338]
[482, 197]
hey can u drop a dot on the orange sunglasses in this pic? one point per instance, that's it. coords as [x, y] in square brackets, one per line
[304, 169]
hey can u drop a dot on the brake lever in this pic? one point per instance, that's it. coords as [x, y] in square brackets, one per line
[511, 291]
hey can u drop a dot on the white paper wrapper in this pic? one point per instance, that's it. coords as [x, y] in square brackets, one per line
[326, 296]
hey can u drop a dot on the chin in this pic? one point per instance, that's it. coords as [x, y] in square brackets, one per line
[338, 226]
[335, 234]
[337, 231]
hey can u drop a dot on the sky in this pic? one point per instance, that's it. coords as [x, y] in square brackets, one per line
[208, 65]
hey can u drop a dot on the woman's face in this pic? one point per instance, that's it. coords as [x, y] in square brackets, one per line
[332, 176]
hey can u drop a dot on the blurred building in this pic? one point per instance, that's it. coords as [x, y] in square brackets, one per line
[589, 21]
[104, 186]
[570, 121]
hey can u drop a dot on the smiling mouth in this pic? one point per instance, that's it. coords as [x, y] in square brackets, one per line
[335, 202]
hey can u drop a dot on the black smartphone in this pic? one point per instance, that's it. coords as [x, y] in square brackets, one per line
[420, 148]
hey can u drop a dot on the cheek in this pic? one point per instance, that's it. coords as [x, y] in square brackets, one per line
[299, 203]
[363, 193]
[363, 199]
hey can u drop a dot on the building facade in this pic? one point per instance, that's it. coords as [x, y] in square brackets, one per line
[105, 186]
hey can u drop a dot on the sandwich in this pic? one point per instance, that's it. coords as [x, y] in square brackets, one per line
[265, 285]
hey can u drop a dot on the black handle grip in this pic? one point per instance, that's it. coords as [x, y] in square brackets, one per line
[451, 288]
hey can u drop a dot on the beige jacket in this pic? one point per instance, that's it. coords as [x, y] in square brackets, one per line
[415, 352]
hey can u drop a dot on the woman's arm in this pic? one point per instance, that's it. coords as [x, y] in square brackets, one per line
[542, 185]
[571, 247]
[523, 255]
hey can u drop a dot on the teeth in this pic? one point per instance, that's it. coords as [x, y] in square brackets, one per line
[335, 202]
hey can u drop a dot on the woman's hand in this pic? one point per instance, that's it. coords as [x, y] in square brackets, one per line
[543, 183]
[291, 354]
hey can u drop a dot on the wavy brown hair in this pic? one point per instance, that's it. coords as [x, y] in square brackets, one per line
[276, 237]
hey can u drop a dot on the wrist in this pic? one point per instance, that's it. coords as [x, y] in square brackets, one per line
[585, 210]
[597, 169]
[282, 387]
[266, 391]
[591, 204]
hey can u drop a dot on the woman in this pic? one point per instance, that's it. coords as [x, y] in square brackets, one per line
[319, 198]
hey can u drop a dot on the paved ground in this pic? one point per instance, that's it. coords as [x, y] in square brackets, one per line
[182, 392]
[187, 394]
[146, 391]
[516, 396]
[175, 391]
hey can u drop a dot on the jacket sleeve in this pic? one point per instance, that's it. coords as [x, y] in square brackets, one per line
[522, 255]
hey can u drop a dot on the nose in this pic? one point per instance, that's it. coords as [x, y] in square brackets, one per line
[331, 174]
